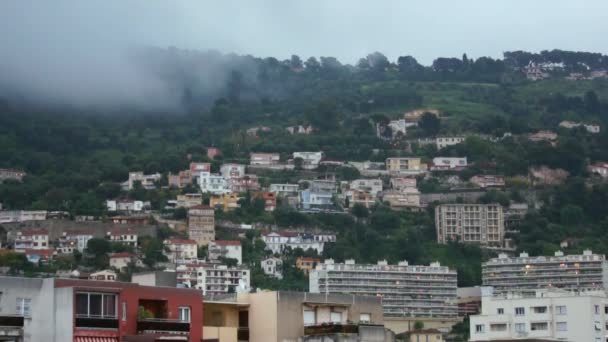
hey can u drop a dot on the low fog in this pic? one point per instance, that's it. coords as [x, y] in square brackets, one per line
[106, 53]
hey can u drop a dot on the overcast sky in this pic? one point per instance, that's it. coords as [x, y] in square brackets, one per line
[81, 43]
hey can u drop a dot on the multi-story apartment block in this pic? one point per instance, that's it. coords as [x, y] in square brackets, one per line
[277, 242]
[488, 181]
[448, 164]
[147, 181]
[126, 205]
[244, 184]
[443, 142]
[201, 224]
[69, 310]
[227, 249]
[124, 236]
[188, 200]
[178, 250]
[356, 197]
[213, 279]
[226, 202]
[541, 315]
[470, 223]
[180, 180]
[310, 160]
[31, 239]
[231, 170]
[406, 290]
[404, 166]
[400, 183]
[284, 189]
[212, 183]
[585, 271]
[73, 240]
[272, 267]
[264, 159]
[7, 216]
[315, 200]
[11, 174]
[370, 186]
[407, 198]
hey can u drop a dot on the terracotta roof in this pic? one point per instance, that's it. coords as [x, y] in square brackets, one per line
[180, 241]
[30, 232]
[227, 242]
[122, 255]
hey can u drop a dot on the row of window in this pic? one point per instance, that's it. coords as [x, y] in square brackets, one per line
[521, 327]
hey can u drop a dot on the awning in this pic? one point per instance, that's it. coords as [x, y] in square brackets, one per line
[94, 339]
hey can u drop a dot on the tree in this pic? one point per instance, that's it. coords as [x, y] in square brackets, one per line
[418, 325]
[429, 123]
[295, 62]
[592, 103]
[360, 211]
[571, 215]
[312, 65]
[297, 163]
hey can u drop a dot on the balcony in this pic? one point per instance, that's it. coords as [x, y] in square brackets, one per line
[162, 326]
[326, 329]
[96, 322]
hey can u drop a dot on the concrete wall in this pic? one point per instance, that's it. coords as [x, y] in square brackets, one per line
[64, 314]
[262, 316]
[404, 324]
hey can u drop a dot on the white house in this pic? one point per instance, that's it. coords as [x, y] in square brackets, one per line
[312, 200]
[146, 181]
[214, 279]
[31, 239]
[591, 128]
[225, 248]
[124, 236]
[448, 163]
[370, 186]
[120, 261]
[310, 160]
[126, 205]
[231, 170]
[277, 242]
[272, 267]
[599, 168]
[180, 249]
[396, 126]
[104, 275]
[284, 189]
[442, 142]
[212, 183]
[554, 315]
[73, 240]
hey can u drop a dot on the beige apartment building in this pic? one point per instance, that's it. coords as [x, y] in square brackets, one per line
[294, 316]
[470, 223]
[404, 166]
[201, 224]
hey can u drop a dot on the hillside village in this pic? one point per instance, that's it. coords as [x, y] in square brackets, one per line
[432, 229]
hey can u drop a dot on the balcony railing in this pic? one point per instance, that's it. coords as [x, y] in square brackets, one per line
[96, 322]
[325, 329]
[162, 325]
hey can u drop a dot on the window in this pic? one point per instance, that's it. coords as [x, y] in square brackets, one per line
[96, 305]
[597, 309]
[520, 327]
[24, 306]
[498, 327]
[500, 311]
[561, 310]
[309, 317]
[184, 313]
[539, 309]
[124, 311]
[561, 326]
[539, 326]
[480, 328]
[520, 311]
[365, 317]
[335, 317]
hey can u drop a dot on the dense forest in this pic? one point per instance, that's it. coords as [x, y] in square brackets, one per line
[75, 157]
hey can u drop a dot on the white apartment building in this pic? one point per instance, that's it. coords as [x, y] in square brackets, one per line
[284, 189]
[448, 163]
[264, 159]
[553, 315]
[406, 291]
[404, 166]
[124, 236]
[31, 239]
[370, 186]
[225, 248]
[315, 200]
[442, 142]
[73, 240]
[177, 250]
[272, 267]
[212, 183]
[214, 279]
[277, 242]
[229, 171]
[470, 223]
[585, 271]
[310, 160]
[126, 205]
[147, 181]
[7, 216]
